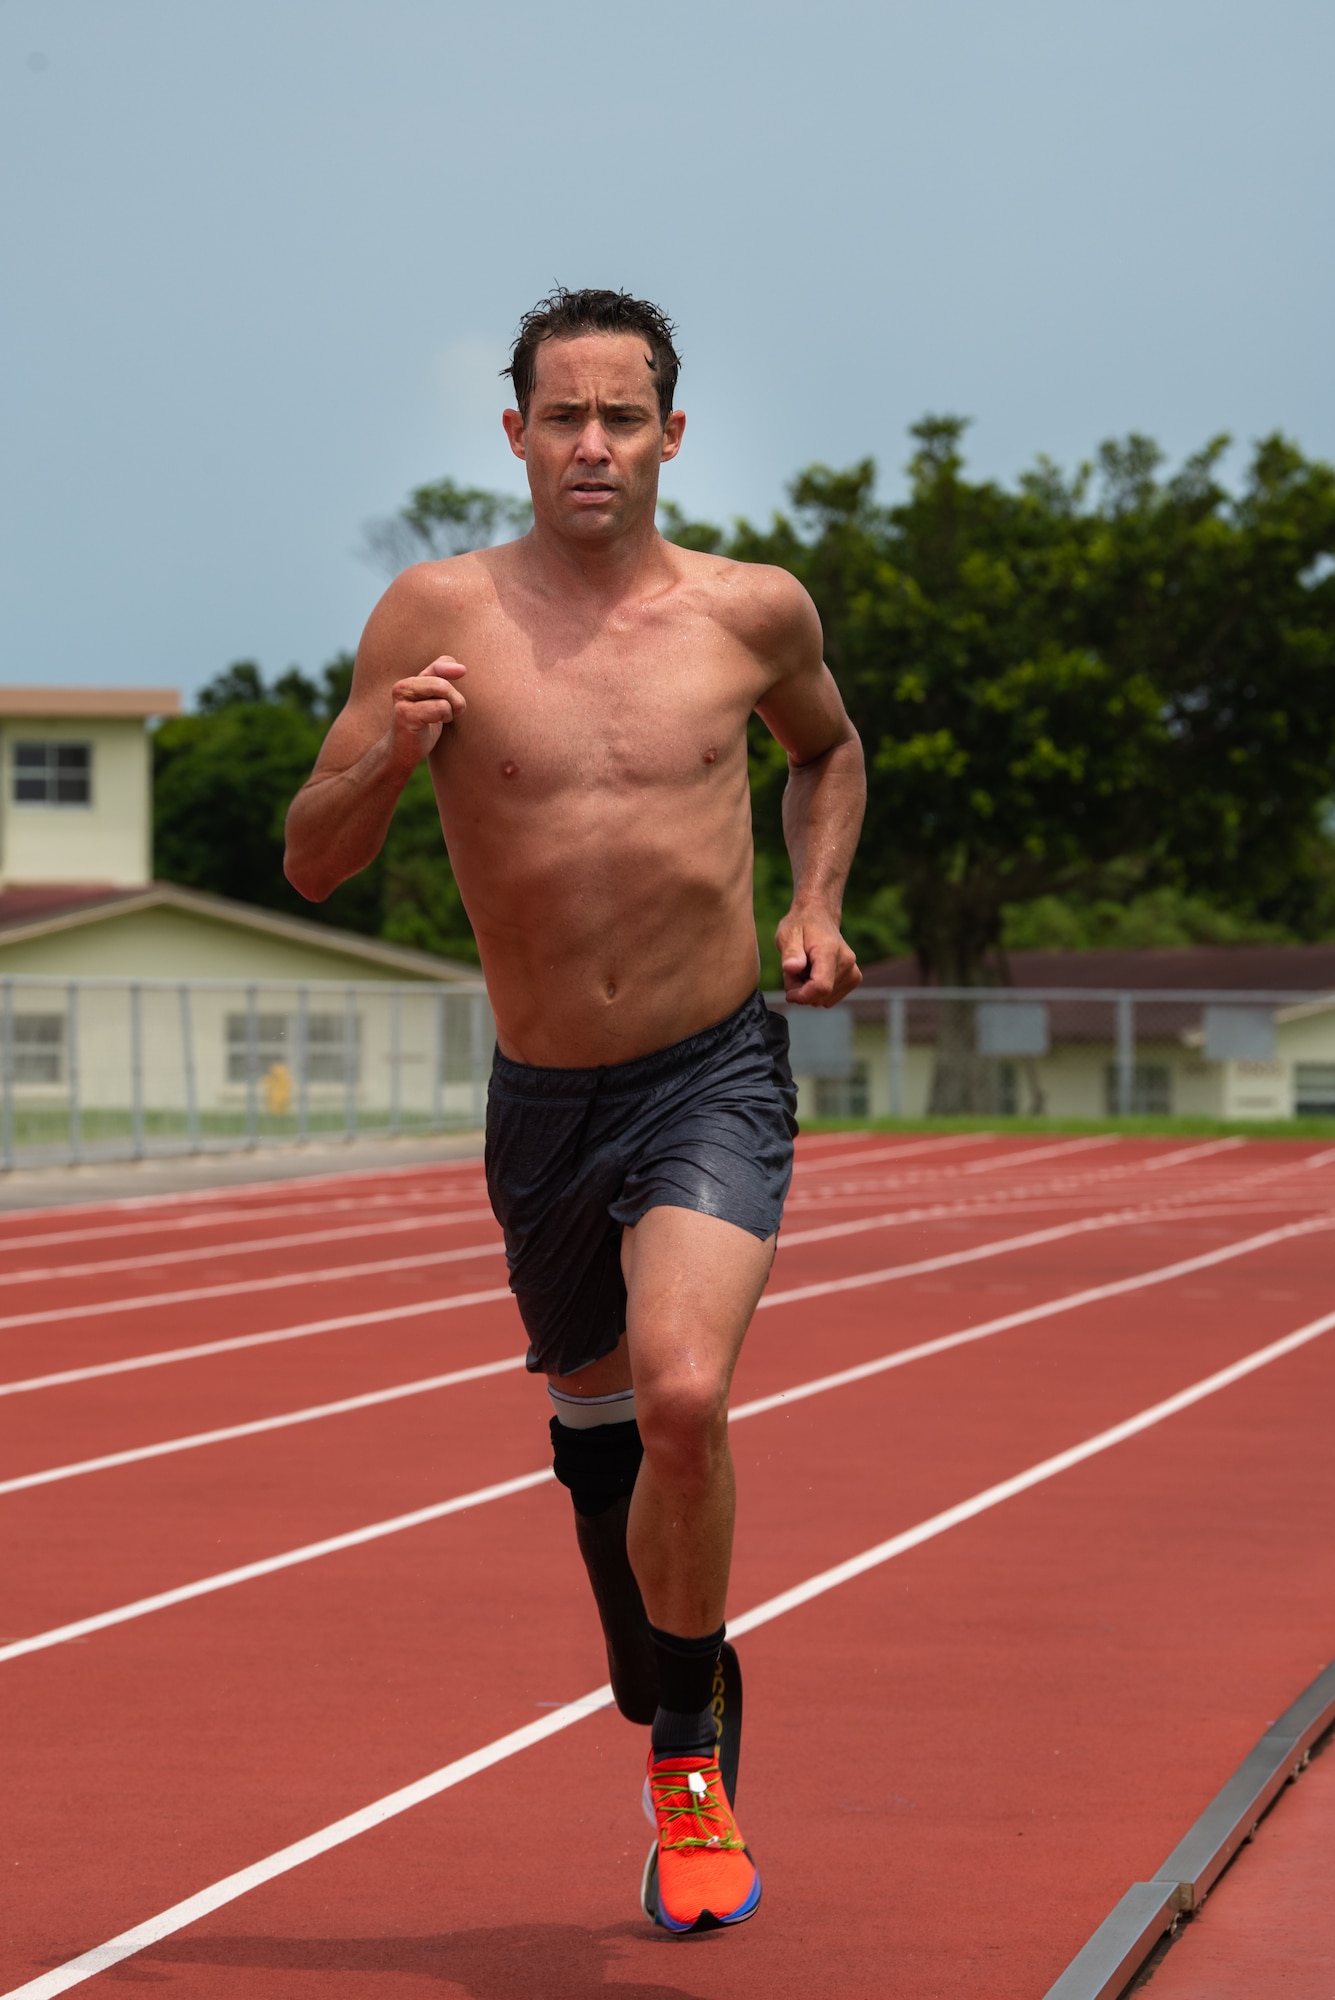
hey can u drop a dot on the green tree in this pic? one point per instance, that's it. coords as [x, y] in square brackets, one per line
[1100, 684]
[224, 778]
[443, 519]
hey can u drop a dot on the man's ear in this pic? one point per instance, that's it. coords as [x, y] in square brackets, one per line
[672, 431]
[514, 430]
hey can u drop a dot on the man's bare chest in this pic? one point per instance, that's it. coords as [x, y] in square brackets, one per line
[627, 710]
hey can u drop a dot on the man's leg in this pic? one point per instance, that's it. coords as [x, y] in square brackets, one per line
[693, 1283]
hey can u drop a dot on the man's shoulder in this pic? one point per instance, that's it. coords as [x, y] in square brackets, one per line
[765, 607]
[450, 582]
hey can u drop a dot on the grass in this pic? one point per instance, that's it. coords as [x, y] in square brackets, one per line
[1167, 1128]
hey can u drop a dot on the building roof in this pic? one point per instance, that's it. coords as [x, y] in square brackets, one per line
[87, 704]
[41, 910]
[1229, 968]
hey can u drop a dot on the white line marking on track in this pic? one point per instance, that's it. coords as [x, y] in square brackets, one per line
[260, 1425]
[1068, 1302]
[284, 1281]
[226, 1579]
[803, 1164]
[199, 1253]
[430, 1201]
[235, 1342]
[983, 1207]
[181, 1915]
[863, 1278]
[241, 1190]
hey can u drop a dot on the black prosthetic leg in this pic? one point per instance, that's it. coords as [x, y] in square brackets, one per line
[599, 1467]
[632, 1666]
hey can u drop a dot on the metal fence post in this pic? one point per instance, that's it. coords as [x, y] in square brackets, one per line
[1126, 1054]
[438, 1065]
[395, 1057]
[349, 1065]
[7, 1069]
[895, 1052]
[302, 1054]
[477, 1058]
[136, 1071]
[188, 1069]
[252, 1066]
[72, 1071]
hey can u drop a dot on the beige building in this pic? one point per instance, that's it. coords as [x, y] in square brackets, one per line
[1257, 1041]
[133, 1010]
[77, 797]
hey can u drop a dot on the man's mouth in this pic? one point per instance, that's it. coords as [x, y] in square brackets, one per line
[593, 489]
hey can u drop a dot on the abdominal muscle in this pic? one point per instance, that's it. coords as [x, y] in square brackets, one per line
[607, 926]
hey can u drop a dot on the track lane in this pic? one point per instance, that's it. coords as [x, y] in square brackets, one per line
[996, 1578]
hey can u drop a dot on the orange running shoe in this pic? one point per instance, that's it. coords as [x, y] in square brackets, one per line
[700, 1875]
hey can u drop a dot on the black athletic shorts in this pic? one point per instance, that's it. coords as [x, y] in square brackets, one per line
[574, 1155]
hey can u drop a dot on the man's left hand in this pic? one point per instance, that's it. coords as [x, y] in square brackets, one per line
[818, 967]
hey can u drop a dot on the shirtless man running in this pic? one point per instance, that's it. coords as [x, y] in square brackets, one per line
[582, 698]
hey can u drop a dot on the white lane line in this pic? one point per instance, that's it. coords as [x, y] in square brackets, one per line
[154, 1260]
[802, 1164]
[242, 1287]
[1068, 1302]
[800, 1392]
[164, 1356]
[226, 1579]
[243, 1190]
[434, 1200]
[189, 1911]
[864, 1278]
[259, 1425]
[982, 1208]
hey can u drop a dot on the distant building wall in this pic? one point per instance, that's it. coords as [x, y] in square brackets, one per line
[176, 944]
[107, 837]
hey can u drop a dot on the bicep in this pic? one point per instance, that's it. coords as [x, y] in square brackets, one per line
[386, 654]
[804, 709]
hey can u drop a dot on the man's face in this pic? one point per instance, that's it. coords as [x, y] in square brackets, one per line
[593, 440]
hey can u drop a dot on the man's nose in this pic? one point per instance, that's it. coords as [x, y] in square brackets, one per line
[592, 446]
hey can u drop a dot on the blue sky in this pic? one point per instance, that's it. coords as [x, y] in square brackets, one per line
[262, 263]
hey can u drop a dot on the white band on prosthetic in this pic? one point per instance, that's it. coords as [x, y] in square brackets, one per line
[583, 1413]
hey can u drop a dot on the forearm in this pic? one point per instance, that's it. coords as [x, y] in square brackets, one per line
[823, 804]
[337, 823]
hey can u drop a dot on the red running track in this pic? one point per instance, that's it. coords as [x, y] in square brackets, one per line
[957, 1758]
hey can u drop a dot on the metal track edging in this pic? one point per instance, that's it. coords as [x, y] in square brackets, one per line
[1124, 1940]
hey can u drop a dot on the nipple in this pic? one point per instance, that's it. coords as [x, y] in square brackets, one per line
[509, 770]
[710, 754]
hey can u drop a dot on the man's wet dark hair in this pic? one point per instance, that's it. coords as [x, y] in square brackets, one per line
[563, 315]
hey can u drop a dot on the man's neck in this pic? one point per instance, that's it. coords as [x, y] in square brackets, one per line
[603, 573]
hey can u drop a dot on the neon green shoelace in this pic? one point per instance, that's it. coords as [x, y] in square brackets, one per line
[699, 1810]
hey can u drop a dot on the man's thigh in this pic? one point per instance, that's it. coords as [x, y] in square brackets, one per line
[692, 1285]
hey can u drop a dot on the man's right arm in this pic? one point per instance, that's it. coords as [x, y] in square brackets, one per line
[337, 823]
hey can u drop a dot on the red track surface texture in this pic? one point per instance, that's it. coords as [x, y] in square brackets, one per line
[958, 1754]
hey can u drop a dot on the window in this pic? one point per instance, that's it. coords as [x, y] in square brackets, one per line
[1314, 1090]
[276, 1042]
[1151, 1090]
[39, 1048]
[53, 774]
[844, 1097]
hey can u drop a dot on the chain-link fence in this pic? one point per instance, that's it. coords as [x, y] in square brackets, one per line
[1062, 1052]
[114, 1069]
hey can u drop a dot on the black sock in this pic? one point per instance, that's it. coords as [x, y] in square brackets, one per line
[684, 1724]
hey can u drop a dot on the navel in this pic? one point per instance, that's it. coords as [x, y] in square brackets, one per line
[611, 989]
[710, 754]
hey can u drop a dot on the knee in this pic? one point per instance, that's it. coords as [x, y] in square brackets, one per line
[683, 1419]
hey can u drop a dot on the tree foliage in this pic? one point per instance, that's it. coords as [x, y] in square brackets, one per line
[224, 778]
[1091, 686]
